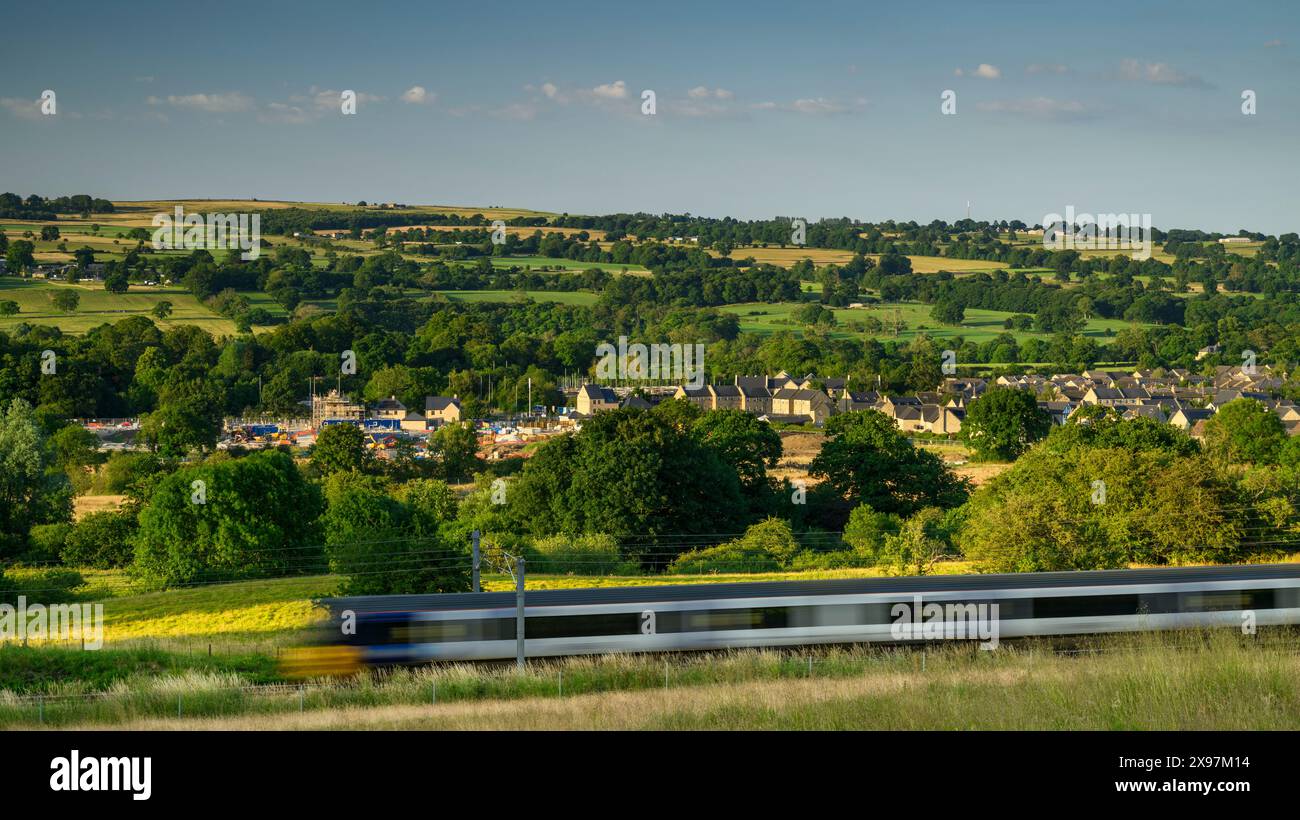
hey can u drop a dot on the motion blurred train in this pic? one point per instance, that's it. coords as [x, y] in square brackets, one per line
[411, 629]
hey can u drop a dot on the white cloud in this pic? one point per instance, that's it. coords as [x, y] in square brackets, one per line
[330, 100]
[549, 91]
[284, 112]
[417, 95]
[813, 106]
[984, 71]
[223, 103]
[1158, 74]
[702, 92]
[817, 105]
[1274, 44]
[297, 109]
[22, 109]
[611, 91]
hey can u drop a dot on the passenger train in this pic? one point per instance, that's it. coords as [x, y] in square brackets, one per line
[409, 629]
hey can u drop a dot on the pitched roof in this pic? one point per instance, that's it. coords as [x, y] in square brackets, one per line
[595, 392]
[1150, 411]
[440, 402]
[1194, 414]
[902, 400]
[862, 397]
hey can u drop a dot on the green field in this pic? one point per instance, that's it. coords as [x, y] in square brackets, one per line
[242, 610]
[365, 247]
[15, 230]
[538, 262]
[934, 264]
[576, 297]
[979, 325]
[98, 306]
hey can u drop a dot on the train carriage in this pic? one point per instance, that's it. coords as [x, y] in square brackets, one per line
[408, 629]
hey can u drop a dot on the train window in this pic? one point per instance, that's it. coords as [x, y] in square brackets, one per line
[582, 626]
[1086, 606]
[1153, 603]
[1228, 600]
[718, 620]
[419, 630]
[1160, 603]
[428, 632]
[839, 615]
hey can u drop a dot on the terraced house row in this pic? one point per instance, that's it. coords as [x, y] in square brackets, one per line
[1178, 397]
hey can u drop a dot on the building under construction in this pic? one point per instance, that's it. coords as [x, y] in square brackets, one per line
[335, 406]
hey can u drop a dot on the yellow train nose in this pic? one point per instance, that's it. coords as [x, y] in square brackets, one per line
[320, 661]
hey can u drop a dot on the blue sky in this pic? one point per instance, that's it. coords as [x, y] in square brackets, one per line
[763, 109]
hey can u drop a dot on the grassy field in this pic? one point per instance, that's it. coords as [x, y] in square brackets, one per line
[934, 264]
[132, 214]
[98, 306]
[979, 325]
[109, 240]
[576, 297]
[140, 212]
[245, 609]
[1093, 253]
[1182, 680]
[785, 257]
[108, 244]
[512, 230]
[570, 265]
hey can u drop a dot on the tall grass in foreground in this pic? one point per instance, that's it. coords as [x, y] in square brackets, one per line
[1183, 680]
